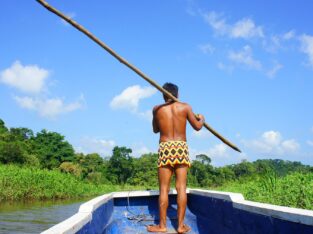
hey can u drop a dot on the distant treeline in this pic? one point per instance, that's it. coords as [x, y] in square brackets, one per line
[50, 150]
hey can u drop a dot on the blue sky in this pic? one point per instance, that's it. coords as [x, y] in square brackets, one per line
[247, 67]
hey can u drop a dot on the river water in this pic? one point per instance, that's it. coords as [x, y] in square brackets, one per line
[34, 217]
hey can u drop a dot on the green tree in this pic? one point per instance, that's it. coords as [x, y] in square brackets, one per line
[12, 152]
[244, 168]
[21, 134]
[204, 159]
[71, 168]
[52, 149]
[120, 167]
[201, 171]
[145, 170]
[3, 128]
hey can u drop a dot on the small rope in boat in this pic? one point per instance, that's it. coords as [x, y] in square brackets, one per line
[137, 217]
[140, 217]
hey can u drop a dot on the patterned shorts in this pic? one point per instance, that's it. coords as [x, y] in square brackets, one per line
[173, 153]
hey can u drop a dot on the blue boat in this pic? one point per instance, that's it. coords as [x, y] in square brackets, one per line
[207, 212]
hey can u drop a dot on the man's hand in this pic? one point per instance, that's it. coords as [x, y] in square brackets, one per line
[200, 118]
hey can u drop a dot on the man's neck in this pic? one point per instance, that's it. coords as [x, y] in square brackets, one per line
[169, 101]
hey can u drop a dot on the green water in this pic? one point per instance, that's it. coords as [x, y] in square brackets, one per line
[35, 217]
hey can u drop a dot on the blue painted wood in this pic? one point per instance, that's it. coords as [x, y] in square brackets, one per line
[219, 216]
[204, 215]
[101, 218]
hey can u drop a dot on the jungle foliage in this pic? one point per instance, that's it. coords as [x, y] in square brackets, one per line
[46, 163]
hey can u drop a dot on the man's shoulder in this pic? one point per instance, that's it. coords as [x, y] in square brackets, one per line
[183, 104]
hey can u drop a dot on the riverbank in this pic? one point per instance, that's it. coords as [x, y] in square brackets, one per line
[23, 183]
[294, 190]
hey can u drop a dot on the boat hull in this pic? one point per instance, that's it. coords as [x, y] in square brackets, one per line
[207, 212]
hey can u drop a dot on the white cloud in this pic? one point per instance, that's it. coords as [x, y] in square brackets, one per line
[130, 97]
[244, 28]
[90, 145]
[290, 145]
[217, 22]
[307, 46]
[49, 108]
[272, 72]
[139, 149]
[271, 142]
[245, 57]
[28, 79]
[218, 151]
[273, 43]
[207, 48]
[289, 35]
[272, 138]
[278, 41]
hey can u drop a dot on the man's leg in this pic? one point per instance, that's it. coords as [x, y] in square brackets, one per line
[165, 174]
[181, 184]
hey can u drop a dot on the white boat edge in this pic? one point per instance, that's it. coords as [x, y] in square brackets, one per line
[84, 214]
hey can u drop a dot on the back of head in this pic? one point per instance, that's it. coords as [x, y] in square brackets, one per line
[172, 88]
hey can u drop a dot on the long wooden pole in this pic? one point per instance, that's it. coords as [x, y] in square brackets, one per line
[122, 60]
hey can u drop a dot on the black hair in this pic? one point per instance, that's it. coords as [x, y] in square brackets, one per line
[172, 88]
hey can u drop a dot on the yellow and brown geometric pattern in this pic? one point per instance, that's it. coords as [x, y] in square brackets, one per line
[173, 153]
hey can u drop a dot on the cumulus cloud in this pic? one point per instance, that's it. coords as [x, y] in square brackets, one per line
[220, 155]
[139, 149]
[31, 79]
[218, 151]
[290, 145]
[272, 72]
[130, 98]
[28, 79]
[310, 143]
[271, 142]
[278, 41]
[307, 47]
[90, 145]
[48, 107]
[244, 28]
[216, 21]
[245, 57]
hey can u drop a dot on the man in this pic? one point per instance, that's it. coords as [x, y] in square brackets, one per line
[169, 119]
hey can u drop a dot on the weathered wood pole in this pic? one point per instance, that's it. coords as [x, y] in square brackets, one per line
[122, 60]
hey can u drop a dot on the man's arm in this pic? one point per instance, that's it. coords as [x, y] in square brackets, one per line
[154, 123]
[194, 122]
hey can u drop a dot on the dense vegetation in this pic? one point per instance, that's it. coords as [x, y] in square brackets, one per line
[294, 190]
[19, 183]
[46, 166]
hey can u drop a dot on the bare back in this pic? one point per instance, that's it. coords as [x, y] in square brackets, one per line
[170, 120]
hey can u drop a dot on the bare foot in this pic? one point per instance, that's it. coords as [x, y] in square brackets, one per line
[184, 229]
[156, 228]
